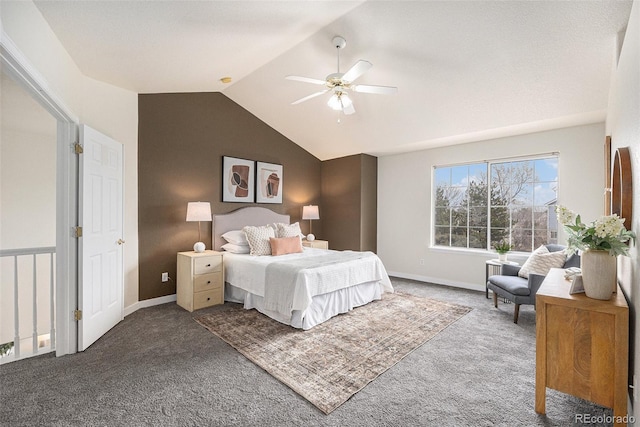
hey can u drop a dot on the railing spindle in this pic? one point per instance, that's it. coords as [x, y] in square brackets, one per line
[35, 304]
[52, 301]
[16, 312]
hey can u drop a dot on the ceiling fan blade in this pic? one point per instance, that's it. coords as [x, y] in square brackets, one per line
[349, 109]
[382, 90]
[308, 97]
[357, 70]
[306, 80]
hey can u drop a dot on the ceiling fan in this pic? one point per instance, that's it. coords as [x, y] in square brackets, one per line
[340, 83]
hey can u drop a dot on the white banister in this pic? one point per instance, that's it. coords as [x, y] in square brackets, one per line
[19, 305]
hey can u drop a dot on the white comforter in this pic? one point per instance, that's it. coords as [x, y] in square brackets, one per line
[317, 273]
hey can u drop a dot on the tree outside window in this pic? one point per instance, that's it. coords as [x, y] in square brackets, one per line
[479, 204]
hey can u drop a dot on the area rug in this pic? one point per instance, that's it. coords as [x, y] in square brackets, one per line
[334, 360]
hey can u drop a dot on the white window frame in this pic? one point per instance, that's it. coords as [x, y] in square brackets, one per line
[487, 164]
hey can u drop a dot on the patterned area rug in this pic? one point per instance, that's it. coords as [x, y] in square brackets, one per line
[334, 360]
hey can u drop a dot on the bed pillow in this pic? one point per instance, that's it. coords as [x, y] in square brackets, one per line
[285, 245]
[258, 238]
[236, 249]
[541, 261]
[237, 237]
[288, 230]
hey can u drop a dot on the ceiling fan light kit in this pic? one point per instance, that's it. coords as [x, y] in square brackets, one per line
[340, 101]
[340, 83]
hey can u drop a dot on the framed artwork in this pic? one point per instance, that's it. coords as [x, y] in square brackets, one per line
[238, 180]
[268, 183]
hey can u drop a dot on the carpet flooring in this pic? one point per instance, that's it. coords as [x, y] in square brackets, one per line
[160, 368]
[334, 360]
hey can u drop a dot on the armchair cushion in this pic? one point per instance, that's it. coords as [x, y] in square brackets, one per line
[541, 261]
[512, 284]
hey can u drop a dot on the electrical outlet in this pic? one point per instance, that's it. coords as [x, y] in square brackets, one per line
[421, 262]
[165, 277]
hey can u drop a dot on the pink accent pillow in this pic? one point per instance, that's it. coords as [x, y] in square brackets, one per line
[285, 245]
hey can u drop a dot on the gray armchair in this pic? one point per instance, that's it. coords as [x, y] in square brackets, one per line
[519, 290]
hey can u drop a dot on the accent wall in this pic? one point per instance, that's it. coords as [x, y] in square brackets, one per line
[349, 202]
[182, 139]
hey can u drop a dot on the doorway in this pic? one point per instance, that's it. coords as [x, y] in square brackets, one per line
[27, 223]
[38, 210]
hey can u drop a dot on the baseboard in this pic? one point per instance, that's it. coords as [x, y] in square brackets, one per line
[437, 281]
[149, 303]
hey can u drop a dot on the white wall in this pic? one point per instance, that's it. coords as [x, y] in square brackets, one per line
[27, 204]
[27, 170]
[404, 199]
[623, 124]
[109, 109]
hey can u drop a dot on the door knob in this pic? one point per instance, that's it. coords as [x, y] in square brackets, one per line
[120, 241]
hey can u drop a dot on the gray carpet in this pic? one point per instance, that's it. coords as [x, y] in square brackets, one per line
[159, 367]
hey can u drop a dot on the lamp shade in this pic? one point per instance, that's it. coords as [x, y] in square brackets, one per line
[339, 101]
[310, 212]
[199, 211]
[334, 102]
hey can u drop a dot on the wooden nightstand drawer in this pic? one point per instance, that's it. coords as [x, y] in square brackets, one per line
[206, 282]
[207, 298]
[200, 280]
[318, 244]
[207, 265]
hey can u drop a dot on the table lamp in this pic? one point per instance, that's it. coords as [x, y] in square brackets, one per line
[199, 211]
[310, 212]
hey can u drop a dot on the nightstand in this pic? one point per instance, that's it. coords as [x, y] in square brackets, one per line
[200, 281]
[318, 244]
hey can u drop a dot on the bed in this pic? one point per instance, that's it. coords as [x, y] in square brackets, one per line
[298, 289]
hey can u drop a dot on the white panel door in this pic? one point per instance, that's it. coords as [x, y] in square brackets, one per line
[101, 258]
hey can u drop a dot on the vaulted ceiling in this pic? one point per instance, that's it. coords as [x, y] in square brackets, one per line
[465, 70]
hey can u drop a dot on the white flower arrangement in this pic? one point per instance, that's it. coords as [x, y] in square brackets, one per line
[605, 234]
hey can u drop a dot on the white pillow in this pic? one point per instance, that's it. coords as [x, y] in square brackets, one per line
[286, 230]
[258, 238]
[236, 249]
[237, 237]
[541, 261]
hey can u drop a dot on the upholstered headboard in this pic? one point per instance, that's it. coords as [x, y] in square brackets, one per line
[237, 219]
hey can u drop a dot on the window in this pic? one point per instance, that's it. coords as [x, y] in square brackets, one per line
[479, 204]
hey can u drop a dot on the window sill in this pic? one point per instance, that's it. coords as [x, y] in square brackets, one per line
[475, 252]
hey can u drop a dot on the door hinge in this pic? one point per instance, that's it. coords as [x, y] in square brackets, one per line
[77, 231]
[77, 315]
[77, 148]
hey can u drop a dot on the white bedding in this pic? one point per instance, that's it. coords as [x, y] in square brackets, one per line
[318, 275]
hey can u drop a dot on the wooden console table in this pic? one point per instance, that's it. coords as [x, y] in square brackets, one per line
[582, 345]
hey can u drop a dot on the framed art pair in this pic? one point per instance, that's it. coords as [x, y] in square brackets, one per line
[249, 181]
